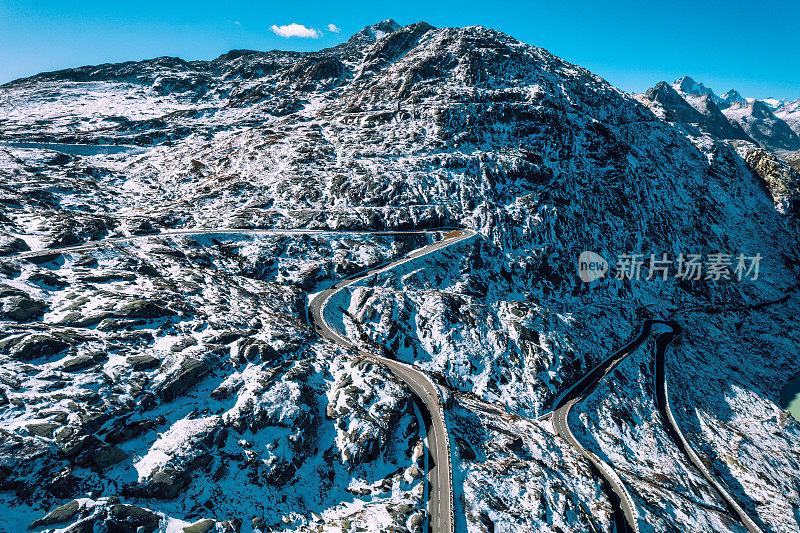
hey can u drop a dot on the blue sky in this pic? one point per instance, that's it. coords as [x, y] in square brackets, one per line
[631, 44]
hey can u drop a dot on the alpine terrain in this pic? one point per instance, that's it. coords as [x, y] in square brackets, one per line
[340, 291]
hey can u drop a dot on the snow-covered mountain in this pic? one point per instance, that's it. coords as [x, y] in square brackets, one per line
[772, 123]
[175, 381]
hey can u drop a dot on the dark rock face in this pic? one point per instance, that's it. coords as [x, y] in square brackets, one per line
[165, 484]
[58, 515]
[36, 346]
[780, 179]
[22, 309]
[131, 519]
[191, 371]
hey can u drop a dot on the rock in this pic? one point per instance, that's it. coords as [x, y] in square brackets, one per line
[124, 430]
[12, 246]
[183, 343]
[280, 474]
[201, 526]
[144, 309]
[9, 269]
[165, 484]
[143, 362]
[48, 280]
[106, 456]
[77, 363]
[45, 429]
[189, 374]
[256, 350]
[22, 308]
[58, 515]
[84, 526]
[129, 518]
[38, 345]
[6, 291]
[43, 258]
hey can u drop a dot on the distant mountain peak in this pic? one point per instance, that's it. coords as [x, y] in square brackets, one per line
[732, 97]
[375, 32]
[688, 85]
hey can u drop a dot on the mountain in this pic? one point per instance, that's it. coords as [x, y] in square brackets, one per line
[700, 111]
[771, 123]
[789, 112]
[763, 126]
[687, 85]
[163, 373]
[732, 97]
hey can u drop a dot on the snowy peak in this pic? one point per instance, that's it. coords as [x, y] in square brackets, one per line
[687, 85]
[696, 110]
[732, 96]
[374, 32]
[772, 123]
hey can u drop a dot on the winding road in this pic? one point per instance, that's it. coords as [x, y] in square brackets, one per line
[578, 393]
[662, 402]
[440, 475]
[667, 332]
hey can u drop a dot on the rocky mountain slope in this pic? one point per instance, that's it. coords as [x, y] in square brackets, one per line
[166, 382]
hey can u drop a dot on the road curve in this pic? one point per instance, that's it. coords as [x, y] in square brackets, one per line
[440, 477]
[674, 430]
[577, 393]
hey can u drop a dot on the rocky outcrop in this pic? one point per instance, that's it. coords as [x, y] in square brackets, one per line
[188, 374]
[780, 179]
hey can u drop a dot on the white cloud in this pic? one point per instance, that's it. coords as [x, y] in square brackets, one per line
[295, 30]
[334, 28]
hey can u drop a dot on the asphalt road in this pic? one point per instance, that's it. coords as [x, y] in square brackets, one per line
[440, 476]
[94, 245]
[662, 401]
[577, 393]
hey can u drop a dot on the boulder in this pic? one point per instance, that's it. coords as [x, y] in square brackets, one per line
[106, 456]
[144, 309]
[75, 364]
[143, 362]
[85, 261]
[256, 350]
[44, 429]
[22, 308]
[58, 515]
[12, 246]
[201, 526]
[6, 291]
[189, 374]
[129, 518]
[165, 484]
[38, 345]
[48, 280]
